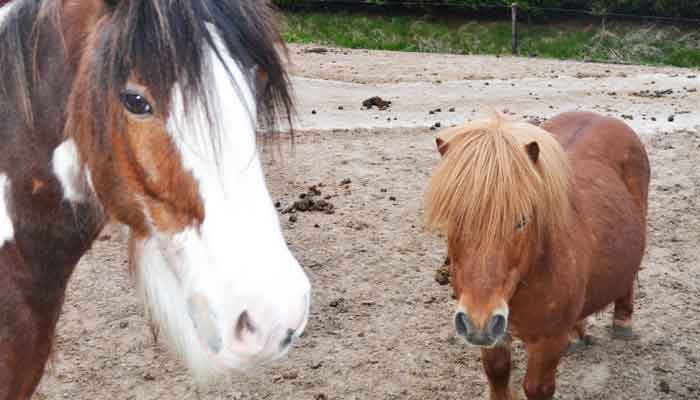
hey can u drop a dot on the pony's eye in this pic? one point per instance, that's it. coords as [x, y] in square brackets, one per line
[521, 224]
[136, 103]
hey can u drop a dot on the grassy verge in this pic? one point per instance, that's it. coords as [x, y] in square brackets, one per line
[617, 42]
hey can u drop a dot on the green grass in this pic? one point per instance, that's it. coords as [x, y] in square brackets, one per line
[622, 43]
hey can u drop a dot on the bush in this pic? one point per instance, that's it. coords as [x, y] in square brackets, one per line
[667, 8]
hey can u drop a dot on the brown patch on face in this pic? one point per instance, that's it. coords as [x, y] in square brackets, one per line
[134, 164]
[149, 164]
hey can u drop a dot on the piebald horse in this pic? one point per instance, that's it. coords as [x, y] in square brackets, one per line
[144, 112]
[545, 227]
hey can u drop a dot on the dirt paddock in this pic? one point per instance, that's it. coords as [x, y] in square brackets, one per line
[381, 327]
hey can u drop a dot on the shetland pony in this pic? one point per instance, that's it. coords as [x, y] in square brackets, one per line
[144, 112]
[545, 227]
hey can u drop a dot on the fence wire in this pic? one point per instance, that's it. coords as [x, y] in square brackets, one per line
[530, 9]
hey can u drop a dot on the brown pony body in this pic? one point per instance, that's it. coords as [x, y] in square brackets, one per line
[550, 277]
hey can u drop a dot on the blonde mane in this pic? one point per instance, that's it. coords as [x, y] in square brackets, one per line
[486, 183]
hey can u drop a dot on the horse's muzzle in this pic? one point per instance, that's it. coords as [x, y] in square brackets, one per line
[255, 335]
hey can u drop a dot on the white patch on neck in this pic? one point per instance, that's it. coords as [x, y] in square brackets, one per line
[7, 230]
[66, 167]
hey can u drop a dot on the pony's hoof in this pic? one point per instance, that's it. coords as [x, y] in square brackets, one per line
[623, 332]
[577, 345]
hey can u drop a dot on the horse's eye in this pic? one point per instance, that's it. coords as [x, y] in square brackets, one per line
[136, 103]
[521, 224]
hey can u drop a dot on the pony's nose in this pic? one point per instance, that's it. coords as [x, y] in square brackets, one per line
[493, 332]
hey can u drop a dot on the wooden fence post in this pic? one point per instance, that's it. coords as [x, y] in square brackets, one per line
[514, 14]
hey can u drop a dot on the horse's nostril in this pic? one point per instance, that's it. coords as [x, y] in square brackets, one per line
[461, 324]
[243, 325]
[288, 338]
[497, 326]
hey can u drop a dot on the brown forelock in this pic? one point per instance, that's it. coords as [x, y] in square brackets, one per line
[486, 183]
[134, 165]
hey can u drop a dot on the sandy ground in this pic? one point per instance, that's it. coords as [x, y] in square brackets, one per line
[381, 326]
[331, 86]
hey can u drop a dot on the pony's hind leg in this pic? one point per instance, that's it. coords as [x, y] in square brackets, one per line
[578, 339]
[496, 362]
[622, 316]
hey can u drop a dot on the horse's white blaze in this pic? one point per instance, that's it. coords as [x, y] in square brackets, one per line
[66, 167]
[7, 230]
[237, 260]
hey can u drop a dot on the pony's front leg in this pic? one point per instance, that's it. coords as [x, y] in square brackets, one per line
[496, 362]
[542, 359]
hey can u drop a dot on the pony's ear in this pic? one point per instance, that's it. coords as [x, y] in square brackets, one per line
[441, 146]
[533, 150]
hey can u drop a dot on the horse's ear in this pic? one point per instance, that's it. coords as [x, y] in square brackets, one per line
[533, 150]
[441, 146]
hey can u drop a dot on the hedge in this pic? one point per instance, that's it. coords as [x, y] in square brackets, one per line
[665, 8]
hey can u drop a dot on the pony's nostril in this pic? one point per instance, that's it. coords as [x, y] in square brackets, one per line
[243, 325]
[461, 324]
[497, 326]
